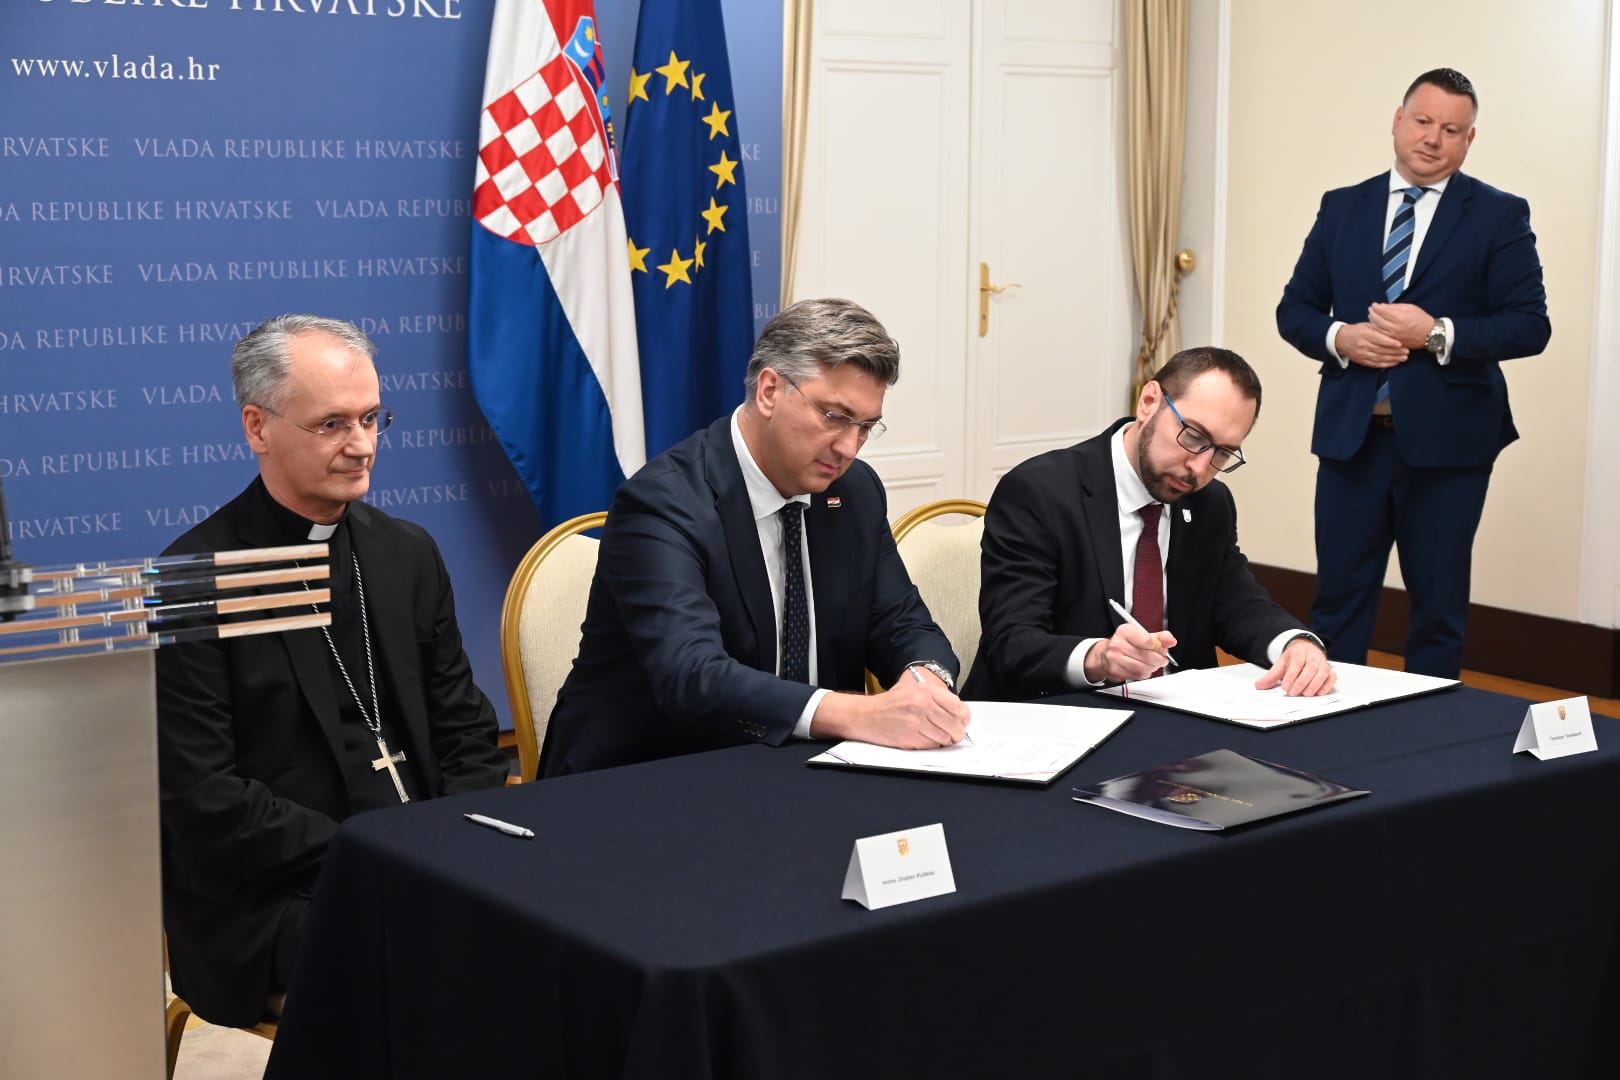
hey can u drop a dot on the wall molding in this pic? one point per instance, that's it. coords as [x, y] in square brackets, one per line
[1532, 648]
[1220, 177]
[1600, 519]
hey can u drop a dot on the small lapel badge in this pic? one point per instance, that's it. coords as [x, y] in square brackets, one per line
[1186, 516]
[834, 502]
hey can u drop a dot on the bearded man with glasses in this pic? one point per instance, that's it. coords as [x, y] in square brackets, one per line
[747, 577]
[266, 743]
[1134, 515]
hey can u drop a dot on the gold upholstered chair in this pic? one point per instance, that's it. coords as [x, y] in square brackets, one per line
[942, 558]
[540, 625]
[178, 1012]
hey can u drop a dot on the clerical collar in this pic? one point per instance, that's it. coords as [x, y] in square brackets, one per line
[293, 526]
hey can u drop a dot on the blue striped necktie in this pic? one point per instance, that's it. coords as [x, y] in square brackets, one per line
[1397, 252]
[1398, 248]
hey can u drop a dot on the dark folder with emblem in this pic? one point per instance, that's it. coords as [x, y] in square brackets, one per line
[1218, 790]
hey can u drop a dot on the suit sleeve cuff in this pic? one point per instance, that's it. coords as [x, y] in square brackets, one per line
[801, 730]
[1076, 670]
[1280, 642]
[1332, 336]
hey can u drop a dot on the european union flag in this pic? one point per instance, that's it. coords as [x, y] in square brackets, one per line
[686, 210]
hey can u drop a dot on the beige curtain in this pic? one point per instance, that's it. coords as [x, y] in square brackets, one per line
[1156, 104]
[795, 129]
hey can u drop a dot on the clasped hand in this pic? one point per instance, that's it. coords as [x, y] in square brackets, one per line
[1388, 336]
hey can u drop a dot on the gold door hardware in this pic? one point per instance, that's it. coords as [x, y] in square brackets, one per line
[986, 291]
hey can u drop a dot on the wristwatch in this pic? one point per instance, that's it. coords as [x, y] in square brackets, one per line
[1436, 341]
[937, 668]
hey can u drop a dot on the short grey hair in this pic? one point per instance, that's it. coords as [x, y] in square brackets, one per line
[810, 338]
[262, 360]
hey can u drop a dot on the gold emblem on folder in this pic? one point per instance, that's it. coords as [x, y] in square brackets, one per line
[904, 845]
[1183, 795]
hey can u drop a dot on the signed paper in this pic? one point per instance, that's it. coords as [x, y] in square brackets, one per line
[1007, 741]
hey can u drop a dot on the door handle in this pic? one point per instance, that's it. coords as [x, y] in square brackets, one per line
[986, 291]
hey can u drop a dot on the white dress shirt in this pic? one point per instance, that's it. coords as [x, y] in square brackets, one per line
[1130, 496]
[766, 502]
[1422, 216]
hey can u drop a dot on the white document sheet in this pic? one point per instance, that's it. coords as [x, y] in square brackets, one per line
[1228, 693]
[1014, 741]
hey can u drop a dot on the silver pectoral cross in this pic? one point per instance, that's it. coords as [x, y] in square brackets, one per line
[387, 761]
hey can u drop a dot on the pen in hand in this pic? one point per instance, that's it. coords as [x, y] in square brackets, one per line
[915, 674]
[500, 826]
[1119, 609]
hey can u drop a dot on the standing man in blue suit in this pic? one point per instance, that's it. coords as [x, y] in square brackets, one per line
[747, 576]
[1411, 289]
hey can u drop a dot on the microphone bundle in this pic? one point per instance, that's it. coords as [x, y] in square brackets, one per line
[147, 603]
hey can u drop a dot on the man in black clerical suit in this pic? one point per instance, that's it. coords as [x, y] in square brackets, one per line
[1134, 515]
[266, 743]
[747, 577]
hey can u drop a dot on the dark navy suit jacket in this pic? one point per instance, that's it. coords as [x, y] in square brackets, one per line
[678, 651]
[1051, 560]
[1477, 266]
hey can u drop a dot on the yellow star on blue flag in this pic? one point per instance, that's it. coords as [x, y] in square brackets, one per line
[681, 176]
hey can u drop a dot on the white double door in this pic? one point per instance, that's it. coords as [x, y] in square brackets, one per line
[946, 134]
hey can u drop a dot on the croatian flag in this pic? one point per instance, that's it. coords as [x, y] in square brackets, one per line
[551, 332]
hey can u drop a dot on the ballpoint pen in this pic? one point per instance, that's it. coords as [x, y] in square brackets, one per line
[500, 826]
[1119, 609]
[915, 674]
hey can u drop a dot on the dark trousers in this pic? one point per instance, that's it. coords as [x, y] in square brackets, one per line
[1374, 501]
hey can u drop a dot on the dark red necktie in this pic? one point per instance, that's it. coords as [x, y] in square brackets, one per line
[1147, 590]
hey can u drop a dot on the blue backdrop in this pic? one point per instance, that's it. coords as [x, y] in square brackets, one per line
[173, 172]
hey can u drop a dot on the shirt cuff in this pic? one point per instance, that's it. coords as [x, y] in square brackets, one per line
[1076, 670]
[1444, 357]
[1333, 333]
[1280, 642]
[801, 730]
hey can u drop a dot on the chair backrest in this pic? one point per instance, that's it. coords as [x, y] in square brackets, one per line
[540, 625]
[943, 561]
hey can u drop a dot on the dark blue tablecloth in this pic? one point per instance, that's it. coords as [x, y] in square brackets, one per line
[682, 919]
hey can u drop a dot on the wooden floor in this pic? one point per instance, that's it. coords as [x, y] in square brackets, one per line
[1533, 691]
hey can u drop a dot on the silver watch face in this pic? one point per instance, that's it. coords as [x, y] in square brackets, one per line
[1437, 340]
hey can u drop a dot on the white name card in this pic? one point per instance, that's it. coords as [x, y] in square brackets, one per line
[1555, 729]
[899, 867]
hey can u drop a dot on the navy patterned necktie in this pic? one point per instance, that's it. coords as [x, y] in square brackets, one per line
[1398, 247]
[795, 611]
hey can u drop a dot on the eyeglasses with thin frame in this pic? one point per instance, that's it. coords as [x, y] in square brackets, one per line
[864, 429]
[335, 428]
[1224, 458]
